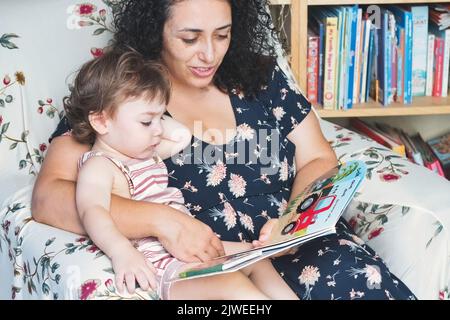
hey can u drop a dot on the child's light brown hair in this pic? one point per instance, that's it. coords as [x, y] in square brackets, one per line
[103, 83]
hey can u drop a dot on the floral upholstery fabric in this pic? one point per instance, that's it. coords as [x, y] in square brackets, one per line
[402, 210]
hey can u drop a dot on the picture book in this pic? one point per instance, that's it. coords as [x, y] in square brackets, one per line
[312, 213]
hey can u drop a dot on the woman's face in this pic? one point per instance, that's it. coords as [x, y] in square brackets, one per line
[196, 38]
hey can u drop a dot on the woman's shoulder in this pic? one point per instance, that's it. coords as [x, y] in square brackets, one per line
[63, 128]
[281, 77]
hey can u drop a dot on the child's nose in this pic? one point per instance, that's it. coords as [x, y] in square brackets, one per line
[158, 130]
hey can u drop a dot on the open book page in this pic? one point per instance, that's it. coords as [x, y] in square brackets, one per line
[223, 264]
[311, 214]
[318, 208]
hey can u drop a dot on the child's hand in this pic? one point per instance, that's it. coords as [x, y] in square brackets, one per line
[130, 266]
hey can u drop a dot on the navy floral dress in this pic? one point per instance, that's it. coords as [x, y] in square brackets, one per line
[237, 187]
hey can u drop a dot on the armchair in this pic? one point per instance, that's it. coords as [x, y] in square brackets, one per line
[402, 210]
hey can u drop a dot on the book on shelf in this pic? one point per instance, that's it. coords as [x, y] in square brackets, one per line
[311, 214]
[405, 52]
[430, 65]
[327, 21]
[383, 138]
[312, 67]
[443, 58]
[318, 28]
[400, 29]
[419, 47]
[441, 14]
[441, 149]
[412, 153]
[429, 158]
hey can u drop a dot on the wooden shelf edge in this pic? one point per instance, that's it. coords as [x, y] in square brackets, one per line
[280, 2]
[420, 106]
[347, 2]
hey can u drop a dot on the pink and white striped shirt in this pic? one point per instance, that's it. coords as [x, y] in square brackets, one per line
[147, 181]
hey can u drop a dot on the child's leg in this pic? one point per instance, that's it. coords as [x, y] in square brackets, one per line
[268, 280]
[227, 286]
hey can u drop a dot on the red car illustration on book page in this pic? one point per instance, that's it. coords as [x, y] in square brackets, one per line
[308, 209]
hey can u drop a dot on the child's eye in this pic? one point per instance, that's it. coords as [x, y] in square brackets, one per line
[146, 124]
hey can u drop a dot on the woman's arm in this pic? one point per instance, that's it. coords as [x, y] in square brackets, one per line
[53, 199]
[53, 203]
[313, 155]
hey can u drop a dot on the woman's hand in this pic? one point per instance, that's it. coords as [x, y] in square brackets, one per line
[189, 239]
[265, 232]
[264, 235]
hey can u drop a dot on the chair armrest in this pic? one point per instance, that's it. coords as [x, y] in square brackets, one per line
[402, 211]
[42, 262]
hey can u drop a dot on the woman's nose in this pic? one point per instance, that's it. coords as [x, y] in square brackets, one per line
[206, 52]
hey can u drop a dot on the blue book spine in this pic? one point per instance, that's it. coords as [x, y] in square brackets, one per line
[353, 15]
[400, 62]
[345, 58]
[408, 58]
[340, 12]
[404, 20]
[341, 58]
[370, 57]
[382, 62]
[321, 55]
[388, 66]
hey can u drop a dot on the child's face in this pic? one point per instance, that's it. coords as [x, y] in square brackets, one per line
[135, 130]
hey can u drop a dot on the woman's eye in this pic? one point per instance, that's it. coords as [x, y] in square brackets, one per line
[222, 36]
[189, 41]
[146, 124]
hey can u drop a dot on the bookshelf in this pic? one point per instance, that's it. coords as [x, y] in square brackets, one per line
[299, 23]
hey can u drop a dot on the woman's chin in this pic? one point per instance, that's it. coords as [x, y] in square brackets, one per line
[201, 83]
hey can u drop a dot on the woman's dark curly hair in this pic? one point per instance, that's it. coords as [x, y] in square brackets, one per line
[245, 67]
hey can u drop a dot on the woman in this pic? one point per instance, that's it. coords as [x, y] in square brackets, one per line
[254, 144]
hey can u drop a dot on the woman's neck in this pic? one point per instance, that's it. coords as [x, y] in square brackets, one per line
[183, 97]
[190, 91]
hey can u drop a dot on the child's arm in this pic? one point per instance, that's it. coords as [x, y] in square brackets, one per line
[174, 139]
[93, 197]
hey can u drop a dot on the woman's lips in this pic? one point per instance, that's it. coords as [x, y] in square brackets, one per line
[202, 72]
